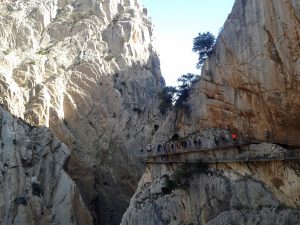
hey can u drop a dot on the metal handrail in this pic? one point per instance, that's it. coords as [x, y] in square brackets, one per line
[243, 157]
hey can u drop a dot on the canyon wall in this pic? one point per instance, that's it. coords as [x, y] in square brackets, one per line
[35, 189]
[260, 193]
[87, 70]
[249, 85]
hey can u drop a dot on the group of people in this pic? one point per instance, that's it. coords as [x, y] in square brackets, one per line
[189, 143]
[222, 139]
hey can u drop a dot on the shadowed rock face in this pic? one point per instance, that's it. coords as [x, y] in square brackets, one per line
[250, 84]
[86, 70]
[34, 188]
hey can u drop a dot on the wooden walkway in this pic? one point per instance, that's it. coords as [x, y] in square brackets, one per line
[226, 154]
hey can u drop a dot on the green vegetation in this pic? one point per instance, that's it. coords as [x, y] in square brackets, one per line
[169, 185]
[21, 201]
[180, 177]
[36, 189]
[77, 16]
[166, 97]
[137, 110]
[44, 51]
[177, 97]
[203, 45]
[125, 15]
[6, 52]
[183, 92]
[109, 57]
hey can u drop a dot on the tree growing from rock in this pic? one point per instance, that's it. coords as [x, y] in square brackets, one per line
[177, 96]
[203, 45]
[166, 97]
[183, 91]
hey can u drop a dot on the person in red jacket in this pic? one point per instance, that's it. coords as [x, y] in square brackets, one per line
[234, 137]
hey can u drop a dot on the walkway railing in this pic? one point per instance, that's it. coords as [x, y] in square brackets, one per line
[234, 153]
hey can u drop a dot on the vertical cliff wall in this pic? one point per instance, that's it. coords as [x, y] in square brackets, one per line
[34, 188]
[88, 71]
[237, 193]
[249, 85]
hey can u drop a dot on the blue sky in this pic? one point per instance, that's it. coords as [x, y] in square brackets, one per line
[176, 23]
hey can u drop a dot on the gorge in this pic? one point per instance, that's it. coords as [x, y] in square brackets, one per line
[79, 93]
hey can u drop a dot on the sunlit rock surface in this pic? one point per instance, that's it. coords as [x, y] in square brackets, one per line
[88, 71]
[250, 85]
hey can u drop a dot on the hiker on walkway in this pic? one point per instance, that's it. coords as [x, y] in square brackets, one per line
[172, 147]
[195, 143]
[178, 146]
[199, 142]
[189, 143]
[223, 137]
[149, 149]
[158, 148]
[267, 134]
[167, 147]
[234, 137]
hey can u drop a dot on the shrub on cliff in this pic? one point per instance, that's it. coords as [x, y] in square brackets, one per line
[183, 92]
[21, 201]
[179, 95]
[36, 189]
[203, 45]
[166, 97]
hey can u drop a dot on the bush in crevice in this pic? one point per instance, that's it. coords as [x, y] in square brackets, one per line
[169, 186]
[36, 189]
[201, 167]
[179, 178]
[186, 82]
[175, 137]
[166, 97]
[21, 201]
[137, 110]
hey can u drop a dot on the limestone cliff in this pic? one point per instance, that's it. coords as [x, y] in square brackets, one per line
[34, 188]
[260, 193]
[88, 71]
[250, 83]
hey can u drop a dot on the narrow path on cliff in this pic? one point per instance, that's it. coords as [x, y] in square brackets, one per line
[241, 152]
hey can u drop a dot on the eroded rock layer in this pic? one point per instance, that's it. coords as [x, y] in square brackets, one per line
[88, 71]
[249, 86]
[260, 193]
[251, 83]
[34, 188]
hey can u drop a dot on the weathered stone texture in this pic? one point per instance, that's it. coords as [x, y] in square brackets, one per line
[88, 71]
[236, 193]
[250, 83]
[34, 188]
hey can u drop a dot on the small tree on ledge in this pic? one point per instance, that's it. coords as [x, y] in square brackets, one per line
[203, 45]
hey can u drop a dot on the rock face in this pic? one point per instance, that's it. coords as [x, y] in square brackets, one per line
[261, 193]
[88, 71]
[249, 85]
[34, 188]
